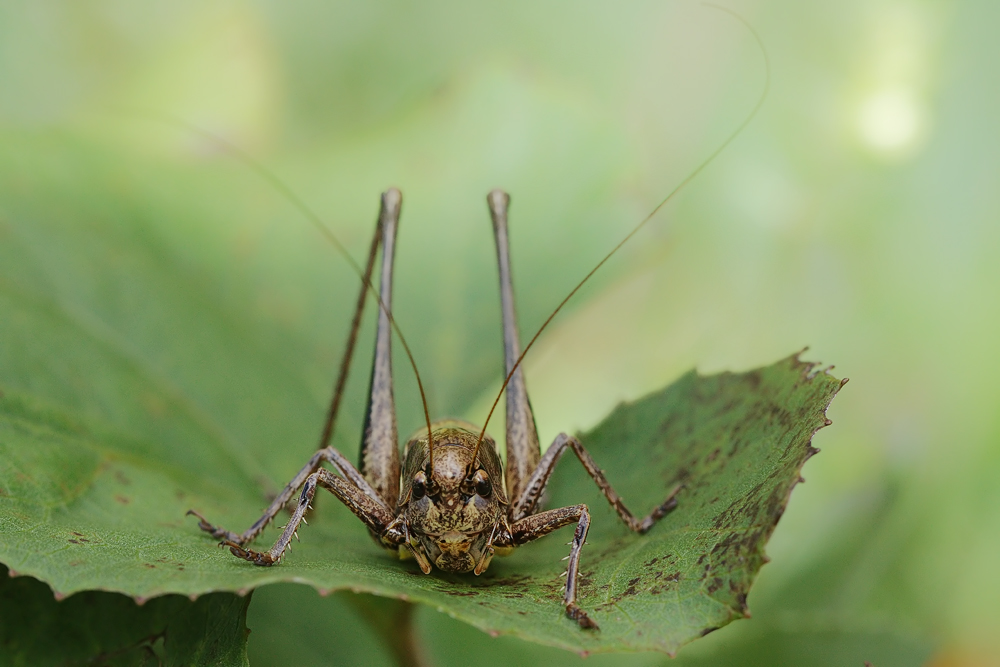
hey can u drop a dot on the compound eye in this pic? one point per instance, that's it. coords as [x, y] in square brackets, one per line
[482, 483]
[418, 489]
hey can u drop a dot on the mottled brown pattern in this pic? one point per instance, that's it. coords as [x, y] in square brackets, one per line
[452, 508]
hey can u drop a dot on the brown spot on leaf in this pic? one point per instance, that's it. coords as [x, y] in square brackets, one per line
[124, 500]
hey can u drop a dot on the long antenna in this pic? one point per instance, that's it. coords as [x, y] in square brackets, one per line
[308, 213]
[690, 177]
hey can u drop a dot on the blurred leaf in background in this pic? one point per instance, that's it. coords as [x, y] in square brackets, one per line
[96, 628]
[857, 214]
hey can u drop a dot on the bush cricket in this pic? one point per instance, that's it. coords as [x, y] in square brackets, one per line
[449, 501]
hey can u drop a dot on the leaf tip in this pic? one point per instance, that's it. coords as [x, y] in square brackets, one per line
[58, 596]
[744, 610]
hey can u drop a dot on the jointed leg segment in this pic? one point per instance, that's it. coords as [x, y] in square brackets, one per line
[528, 526]
[533, 490]
[372, 495]
[539, 525]
[527, 473]
[328, 454]
[375, 515]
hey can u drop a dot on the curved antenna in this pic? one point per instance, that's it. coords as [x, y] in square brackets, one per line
[690, 177]
[365, 276]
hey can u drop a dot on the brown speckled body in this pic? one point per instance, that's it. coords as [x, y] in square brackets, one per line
[454, 526]
[449, 504]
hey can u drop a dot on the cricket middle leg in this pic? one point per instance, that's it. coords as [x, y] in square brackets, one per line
[524, 505]
[328, 454]
[374, 514]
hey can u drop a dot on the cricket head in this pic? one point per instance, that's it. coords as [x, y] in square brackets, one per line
[452, 502]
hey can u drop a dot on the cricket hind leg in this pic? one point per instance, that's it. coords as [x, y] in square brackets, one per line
[372, 512]
[379, 455]
[328, 454]
[523, 451]
[324, 451]
[524, 505]
[532, 527]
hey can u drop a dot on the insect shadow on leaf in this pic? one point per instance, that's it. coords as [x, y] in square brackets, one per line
[448, 502]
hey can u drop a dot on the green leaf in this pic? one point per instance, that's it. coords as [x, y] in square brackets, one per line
[109, 629]
[149, 367]
[286, 620]
[736, 441]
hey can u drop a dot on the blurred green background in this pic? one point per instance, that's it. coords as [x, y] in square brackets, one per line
[857, 214]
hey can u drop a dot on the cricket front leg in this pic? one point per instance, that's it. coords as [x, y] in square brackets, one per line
[328, 454]
[523, 451]
[539, 525]
[525, 504]
[374, 514]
